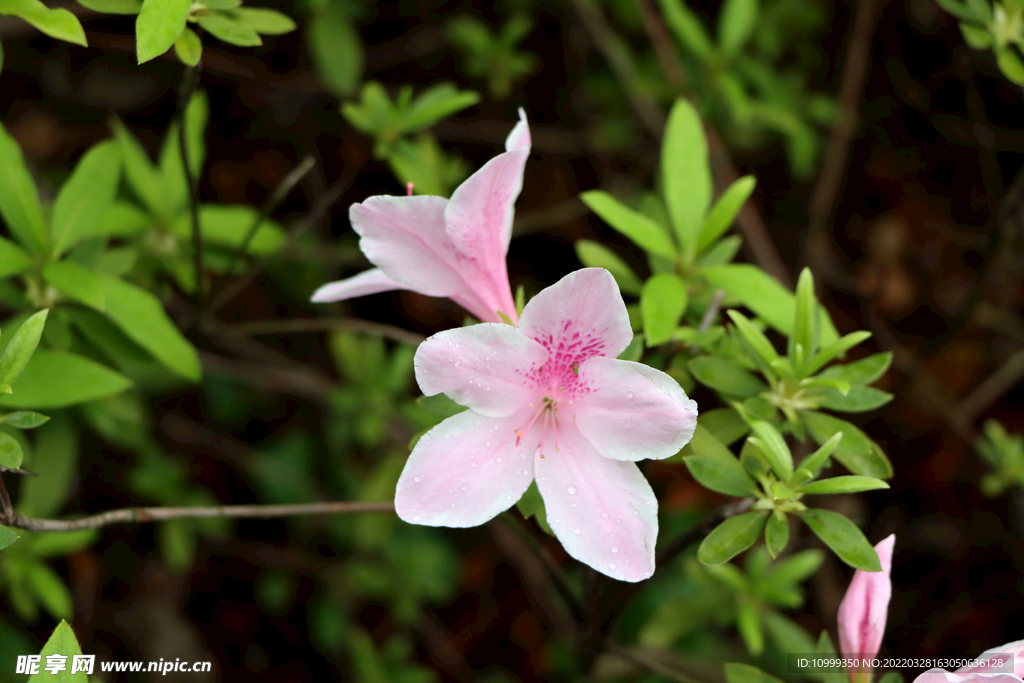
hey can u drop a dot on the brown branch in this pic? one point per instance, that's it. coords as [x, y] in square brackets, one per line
[644, 661]
[160, 514]
[317, 325]
[833, 166]
[991, 389]
[268, 376]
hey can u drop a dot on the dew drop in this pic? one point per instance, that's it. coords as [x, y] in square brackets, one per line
[573, 490]
[487, 443]
[487, 358]
[574, 505]
[453, 504]
[458, 363]
[416, 518]
[629, 394]
[474, 466]
[577, 531]
[416, 479]
[495, 427]
[499, 459]
[612, 565]
[604, 515]
[615, 550]
[463, 488]
[522, 456]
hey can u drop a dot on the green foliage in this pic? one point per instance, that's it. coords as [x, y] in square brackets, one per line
[336, 46]
[64, 643]
[56, 23]
[493, 55]
[418, 160]
[996, 26]
[1004, 454]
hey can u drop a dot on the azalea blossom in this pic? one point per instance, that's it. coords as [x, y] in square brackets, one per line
[452, 248]
[864, 608]
[549, 401]
[992, 668]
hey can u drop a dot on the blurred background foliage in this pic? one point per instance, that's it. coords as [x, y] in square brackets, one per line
[255, 396]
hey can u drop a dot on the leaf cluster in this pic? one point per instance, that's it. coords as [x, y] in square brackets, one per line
[996, 26]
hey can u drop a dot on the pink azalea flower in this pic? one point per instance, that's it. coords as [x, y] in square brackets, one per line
[989, 671]
[864, 608]
[437, 247]
[549, 401]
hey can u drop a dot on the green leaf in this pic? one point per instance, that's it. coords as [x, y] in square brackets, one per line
[227, 225]
[642, 230]
[634, 351]
[113, 6]
[7, 537]
[62, 543]
[843, 484]
[227, 27]
[748, 623]
[337, 51]
[662, 304]
[686, 176]
[724, 423]
[758, 342]
[76, 282]
[23, 345]
[854, 451]
[776, 534]
[715, 475]
[687, 28]
[813, 462]
[142, 318]
[264, 21]
[1010, 64]
[732, 537]
[977, 37]
[436, 103]
[858, 399]
[762, 294]
[51, 591]
[55, 379]
[736, 23]
[725, 377]
[792, 570]
[721, 253]
[745, 673]
[843, 537]
[835, 349]
[891, 677]
[56, 23]
[532, 505]
[595, 255]
[804, 334]
[962, 11]
[725, 210]
[174, 183]
[774, 448]
[158, 26]
[188, 47]
[139, 171]
[55, 460]
[864, 371]
[13, 259]
[64, 643]
[11, 454]
[19, 200]
[24, 419]
[86, 196]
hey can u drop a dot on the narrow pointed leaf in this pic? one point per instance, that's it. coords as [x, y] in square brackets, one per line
[19, 351]
[855, 451]
[64, 643]
[7, 537]
[11, 454]
[844, 484]
[685, 174]
[843, 537]
[736, 23]
[642, 230]
[758, 342]
[13, 259]
[725, 210]
[55, 379]
[19, 199]
[732, 537]
[776, 534]
[662, 304]
[76, 282]
[834, 350]
[56, 23]
[775, 449]
[158, 26]
[726, 377]
[86, 196]
[595, 255]
[745, 673]
[864, 371]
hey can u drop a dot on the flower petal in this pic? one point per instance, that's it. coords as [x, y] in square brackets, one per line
[1016, 649]
[583, 306]
[481, 367]
[479, 218]
[519, 138]
[603, 511]
[464, 472]
[633, 411]
[371, 281]
[406, 238]
[943, 676]
[863, 611]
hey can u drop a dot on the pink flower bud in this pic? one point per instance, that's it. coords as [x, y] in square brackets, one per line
[864, 608]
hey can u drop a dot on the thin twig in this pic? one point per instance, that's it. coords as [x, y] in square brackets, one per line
[323, 204]
[992, 389]
[6, 507]
[652, 665]
[189, 82]
[711, 314]
[307, 384]
[159, 514]
[833, 166]
[317, 325]
[620, 59]
[286, 185]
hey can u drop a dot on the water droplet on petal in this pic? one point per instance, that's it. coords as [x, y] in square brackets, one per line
[416, 518]
[573, 490]
[463, 488]
[612, 565]
[487, 443]
[453, 504]
[458, 363]
[499, 459]
[615, 550]
[474, 465]
[577, 531]
[522, 456]
[604, 515]
[416, 479]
